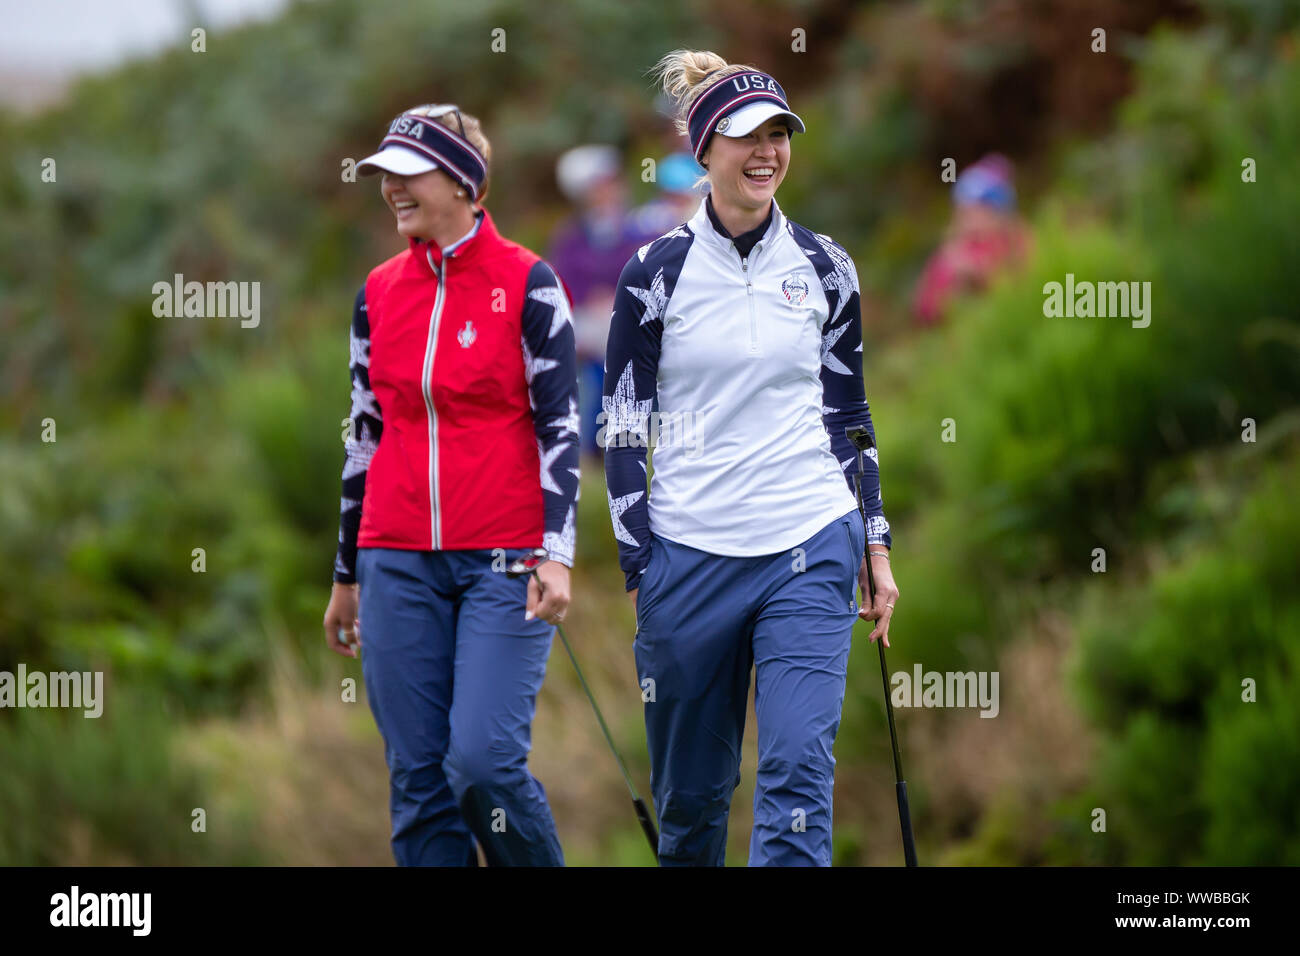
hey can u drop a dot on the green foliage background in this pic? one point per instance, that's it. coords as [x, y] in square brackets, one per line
[1072, 434]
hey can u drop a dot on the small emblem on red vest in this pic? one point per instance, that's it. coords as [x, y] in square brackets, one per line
[467, 335]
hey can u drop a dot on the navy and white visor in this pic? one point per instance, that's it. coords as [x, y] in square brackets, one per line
[736, 106]
[416, 144]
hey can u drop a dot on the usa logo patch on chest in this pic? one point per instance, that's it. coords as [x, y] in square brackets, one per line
[795, 289]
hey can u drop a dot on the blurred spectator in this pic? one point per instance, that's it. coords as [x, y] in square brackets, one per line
[679, 196]
[589, 251]
[985, 237]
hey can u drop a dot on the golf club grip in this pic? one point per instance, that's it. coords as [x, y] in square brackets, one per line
[905, 819]
[871, 574]
[647, 825]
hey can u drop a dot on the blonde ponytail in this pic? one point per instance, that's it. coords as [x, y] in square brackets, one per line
[682, 74]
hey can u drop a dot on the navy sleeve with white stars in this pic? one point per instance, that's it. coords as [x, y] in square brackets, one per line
[360, 445]
[631, 383]
[551, 370]
[844, 401]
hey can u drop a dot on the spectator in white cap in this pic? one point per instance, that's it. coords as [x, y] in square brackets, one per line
[588, 251]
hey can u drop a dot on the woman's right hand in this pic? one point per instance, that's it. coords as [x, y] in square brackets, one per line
[632, 595]
[341, 615]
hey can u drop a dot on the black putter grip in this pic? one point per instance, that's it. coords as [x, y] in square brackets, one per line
[905, 814]
[647, 825]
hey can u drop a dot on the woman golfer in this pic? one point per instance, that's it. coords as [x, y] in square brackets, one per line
[463, 456]
[745, 327]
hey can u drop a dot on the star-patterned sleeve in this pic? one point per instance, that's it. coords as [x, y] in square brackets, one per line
[359, 446]
[551, 369]
[631, 375]
[844, 401]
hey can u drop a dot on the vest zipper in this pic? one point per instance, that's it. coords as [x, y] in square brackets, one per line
[431, 345]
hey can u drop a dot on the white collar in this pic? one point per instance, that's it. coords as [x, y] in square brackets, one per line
[473, 231]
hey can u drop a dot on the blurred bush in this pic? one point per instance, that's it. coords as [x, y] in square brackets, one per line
[109, 791]
[1196, 679]
[175, 434]
[1073, 434]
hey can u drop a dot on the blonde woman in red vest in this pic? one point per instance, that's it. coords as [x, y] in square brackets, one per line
[463, 457]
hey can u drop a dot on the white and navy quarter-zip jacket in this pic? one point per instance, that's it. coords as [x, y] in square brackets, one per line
[743, 373]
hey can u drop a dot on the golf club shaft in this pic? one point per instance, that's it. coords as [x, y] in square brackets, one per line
[642, 811]
[900, 785]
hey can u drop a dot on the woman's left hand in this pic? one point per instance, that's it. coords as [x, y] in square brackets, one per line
[886, 595]
[550, 602]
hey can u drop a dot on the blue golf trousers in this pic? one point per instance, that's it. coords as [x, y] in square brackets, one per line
[702, 621]
[452, 672]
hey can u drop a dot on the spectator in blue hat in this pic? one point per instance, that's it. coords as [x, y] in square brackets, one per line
[682, 184]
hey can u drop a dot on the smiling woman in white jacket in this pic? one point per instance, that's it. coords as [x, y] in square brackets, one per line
[742, 330]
